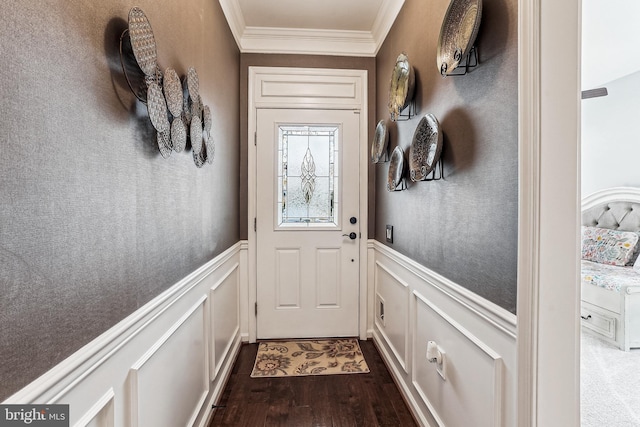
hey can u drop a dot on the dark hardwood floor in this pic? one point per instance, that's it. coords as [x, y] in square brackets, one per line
[366, 400]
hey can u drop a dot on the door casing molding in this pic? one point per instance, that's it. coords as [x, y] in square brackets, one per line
[548, 342]
[309, 88]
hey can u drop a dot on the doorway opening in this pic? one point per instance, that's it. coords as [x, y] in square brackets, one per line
[609, 377]
[307, 243]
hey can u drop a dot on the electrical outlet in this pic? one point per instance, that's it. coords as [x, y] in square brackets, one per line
[389, 233]
[437, 356]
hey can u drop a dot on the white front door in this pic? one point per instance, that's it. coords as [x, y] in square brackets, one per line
[308, 226]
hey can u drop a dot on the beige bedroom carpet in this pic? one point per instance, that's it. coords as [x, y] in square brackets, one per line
[610, 384]
[309, 357]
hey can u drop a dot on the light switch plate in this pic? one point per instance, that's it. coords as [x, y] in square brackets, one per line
[389, 233]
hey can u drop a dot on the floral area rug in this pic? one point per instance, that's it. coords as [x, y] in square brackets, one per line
[309, 357]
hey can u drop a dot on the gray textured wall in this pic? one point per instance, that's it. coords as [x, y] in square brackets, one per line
[300, 61]
[465, 226]
[93, 222]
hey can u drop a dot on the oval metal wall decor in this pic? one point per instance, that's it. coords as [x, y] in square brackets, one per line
[142, 41]
[396, 170]
[402, 86]
[426, 148]
[380, 142]
[458, 33]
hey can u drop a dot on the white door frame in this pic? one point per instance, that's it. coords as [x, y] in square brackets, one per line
[320, 88]
[549, 207]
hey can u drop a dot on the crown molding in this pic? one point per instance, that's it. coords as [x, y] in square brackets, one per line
[387, 15]
[235, 19]
[310, 41]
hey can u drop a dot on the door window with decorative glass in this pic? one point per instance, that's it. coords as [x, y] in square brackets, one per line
[307, 178]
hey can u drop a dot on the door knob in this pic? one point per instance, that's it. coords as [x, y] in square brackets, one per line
[351, 235]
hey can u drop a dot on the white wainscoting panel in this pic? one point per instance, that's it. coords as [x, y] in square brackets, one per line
[165, 364]
[225, 317]
[478, 338]
[394, 293]
[371, 289]
[170, 382]
[473, 371]
[244, 290]
[101, 414]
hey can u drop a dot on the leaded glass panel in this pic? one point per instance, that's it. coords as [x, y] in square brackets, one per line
[307, 175]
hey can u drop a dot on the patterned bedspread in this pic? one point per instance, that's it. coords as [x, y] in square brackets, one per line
[610, 277]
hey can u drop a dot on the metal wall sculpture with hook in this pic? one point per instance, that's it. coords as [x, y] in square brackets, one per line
[401, 90]
[457, 36]
[395, 180]
[425, 151]
[176, 118]
[380, 144]
[467, 63]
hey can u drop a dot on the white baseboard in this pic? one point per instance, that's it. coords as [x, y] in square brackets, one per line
[200, 313]
[477, 336]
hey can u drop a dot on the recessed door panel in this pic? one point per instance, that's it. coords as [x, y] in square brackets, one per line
[328, 278]
[288, 278]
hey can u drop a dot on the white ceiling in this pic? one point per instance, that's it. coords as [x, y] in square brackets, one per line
[327, 27]
[327, 14]
[610, 40]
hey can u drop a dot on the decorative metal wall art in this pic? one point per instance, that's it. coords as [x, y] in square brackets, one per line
[178, 119]
[157, 107]
[457, 35]
[401, 88]
[178, 134]
[164, 143]
[426, 147]
[173, 92]
[395, 180]
[379, 151]
[425, 156]
[143, 42]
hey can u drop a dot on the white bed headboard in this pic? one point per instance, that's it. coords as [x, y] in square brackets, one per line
[615, 208]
